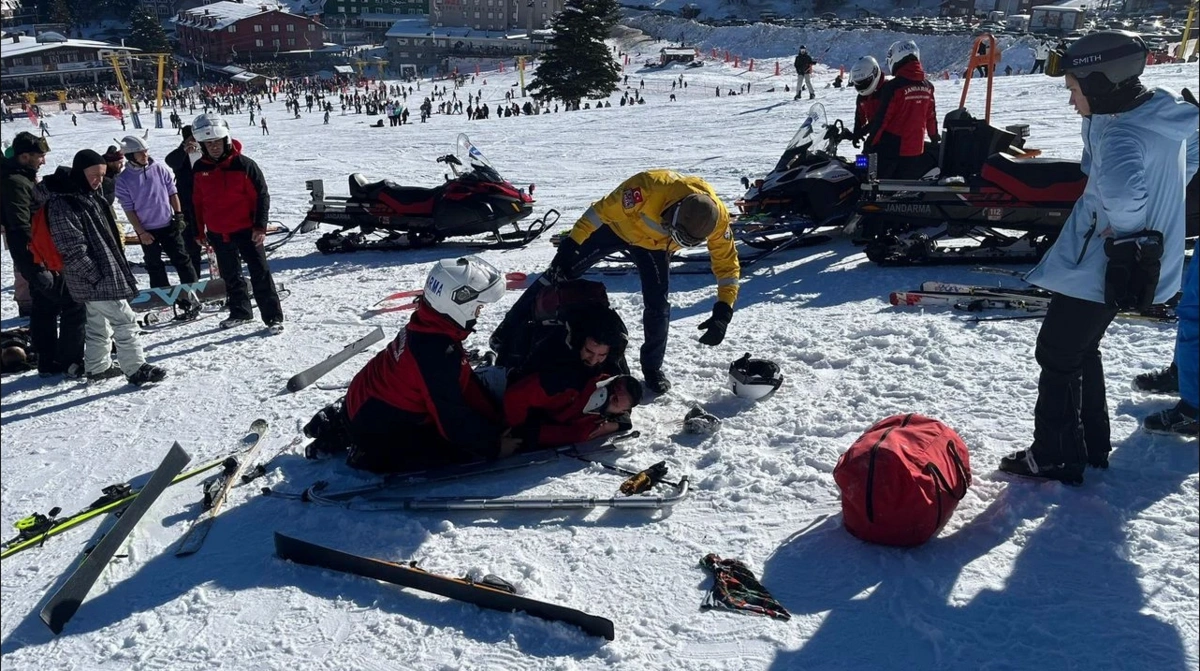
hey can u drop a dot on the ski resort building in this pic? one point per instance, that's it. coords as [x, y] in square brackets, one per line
[493, 15]
[418, 42]
[226, 32]
[51, 60]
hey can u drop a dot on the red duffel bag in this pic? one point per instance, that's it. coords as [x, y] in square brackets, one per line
[902, 480]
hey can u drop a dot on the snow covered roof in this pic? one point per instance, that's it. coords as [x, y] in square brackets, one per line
[420, 27]
[28, 45]
[221, 15]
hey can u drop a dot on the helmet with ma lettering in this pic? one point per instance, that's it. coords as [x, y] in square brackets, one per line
[209, 127]
[866, 75]
[754, 379]
[1115, 55]
[900, 52]
[460, 288]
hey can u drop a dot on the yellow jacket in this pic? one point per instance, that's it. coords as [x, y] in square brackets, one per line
[634, 212]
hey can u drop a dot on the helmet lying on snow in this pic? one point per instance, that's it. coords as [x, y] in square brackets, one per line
[459, 289]
[754, 378]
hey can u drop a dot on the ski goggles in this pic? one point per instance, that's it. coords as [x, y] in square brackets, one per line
[679, 235]
[1056, 63]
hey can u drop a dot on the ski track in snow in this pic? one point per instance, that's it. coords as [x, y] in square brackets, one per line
[1024, 576]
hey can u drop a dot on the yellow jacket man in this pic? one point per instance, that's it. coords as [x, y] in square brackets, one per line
[649, 216]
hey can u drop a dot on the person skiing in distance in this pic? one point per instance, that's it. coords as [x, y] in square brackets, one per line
[95, 270]
[649, 216]
[417, 404]
[56, 322]
[232, 205]
[906, 112]
[1140, 148]
[868, 79]
[804, 65]
[180, 160]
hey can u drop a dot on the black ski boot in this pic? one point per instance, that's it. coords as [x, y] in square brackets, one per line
[147, 374]
[1021, 463]
[1165, 381]
[1178, 421]
[657, 381]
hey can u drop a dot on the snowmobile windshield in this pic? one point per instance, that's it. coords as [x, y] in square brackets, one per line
[470, 156]
[811, 128]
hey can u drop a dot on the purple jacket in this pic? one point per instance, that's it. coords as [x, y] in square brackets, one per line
[147, 193]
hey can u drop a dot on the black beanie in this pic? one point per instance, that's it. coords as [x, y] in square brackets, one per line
[85, 159]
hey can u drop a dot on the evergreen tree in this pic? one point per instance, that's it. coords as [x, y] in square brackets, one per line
[578, 64]
[146, 33]
[61, 12]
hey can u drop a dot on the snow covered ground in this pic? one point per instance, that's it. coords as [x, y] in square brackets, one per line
[1024, 576]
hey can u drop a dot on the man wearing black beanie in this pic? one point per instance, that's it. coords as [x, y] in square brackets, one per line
[96, 273]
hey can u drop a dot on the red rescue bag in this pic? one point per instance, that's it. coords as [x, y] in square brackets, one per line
[902, 480]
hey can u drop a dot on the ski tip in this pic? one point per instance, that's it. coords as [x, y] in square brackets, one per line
[294, 385]
[259, 426]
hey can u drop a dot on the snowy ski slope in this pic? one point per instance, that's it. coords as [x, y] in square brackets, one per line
[1024, 576]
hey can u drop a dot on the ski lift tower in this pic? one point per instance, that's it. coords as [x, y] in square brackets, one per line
[115, 59]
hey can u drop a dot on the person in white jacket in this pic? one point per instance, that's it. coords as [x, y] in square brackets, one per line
[1040, 53]
[1140, 148]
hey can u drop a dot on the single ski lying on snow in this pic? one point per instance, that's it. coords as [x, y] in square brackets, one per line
[447, 503]
[407, 300]
[318, 491]
[194, 538]
[482, 594]
[969, 302]
[316, 372]
[36, 528]
[65, 602]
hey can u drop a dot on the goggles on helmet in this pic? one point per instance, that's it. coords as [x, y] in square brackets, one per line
[679, 235]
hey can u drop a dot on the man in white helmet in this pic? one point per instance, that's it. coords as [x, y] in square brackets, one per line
[907, 112]
[868, 79]
[418, 404]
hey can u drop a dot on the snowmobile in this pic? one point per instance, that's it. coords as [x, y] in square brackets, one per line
[989, 189]
[476, 201]
[810, 188]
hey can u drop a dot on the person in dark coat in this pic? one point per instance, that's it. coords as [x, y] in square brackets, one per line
[804, 64]
[180, 161]
[906, 112]
[95, 270]
[57, 322]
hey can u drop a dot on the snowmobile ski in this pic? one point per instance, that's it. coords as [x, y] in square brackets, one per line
[317, 371]
[485, 594]
[193, 540]
[65, 601]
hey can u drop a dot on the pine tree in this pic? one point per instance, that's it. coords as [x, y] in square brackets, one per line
[578, 64]
[146, 33]
[61, 12]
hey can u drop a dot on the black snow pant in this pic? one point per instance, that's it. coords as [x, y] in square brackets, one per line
[170, 241]
[231, 249]
[386, 439]
[1039, 65]
[56, 326]
[194, 251]
[573, 260]
[1071, 417]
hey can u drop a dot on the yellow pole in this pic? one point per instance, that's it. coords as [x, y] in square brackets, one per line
[1181, 52]
[162, 64]
[521, 70]
[116, 63]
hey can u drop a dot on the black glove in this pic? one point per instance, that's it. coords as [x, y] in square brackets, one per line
[714, 327]
[178, 221]
[42, 280]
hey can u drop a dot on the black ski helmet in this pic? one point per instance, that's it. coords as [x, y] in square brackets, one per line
[1103, 61]
[754, 379]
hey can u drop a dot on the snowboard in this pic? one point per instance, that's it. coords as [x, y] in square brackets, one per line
[482, 594]
[65, 602]
[157, 298]
[317, 371]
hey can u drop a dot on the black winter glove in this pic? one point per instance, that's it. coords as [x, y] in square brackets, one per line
[178, 222]
[714, 327]
[42, 280]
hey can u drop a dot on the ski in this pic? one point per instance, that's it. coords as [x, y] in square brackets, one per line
[452, 503]
[968, 302]
[317, 371]
[954, 288]
[318, 491]
[35, 529]
[215, 501]
[491, 592]
[63, 604]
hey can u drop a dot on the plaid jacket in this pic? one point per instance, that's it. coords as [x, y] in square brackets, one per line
[82, 227]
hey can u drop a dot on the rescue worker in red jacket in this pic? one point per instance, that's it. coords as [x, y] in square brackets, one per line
[907, 111]
[231, 203]
[418, 404]
[868, 79]
[546, 410]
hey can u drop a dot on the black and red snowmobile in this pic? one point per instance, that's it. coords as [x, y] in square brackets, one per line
[993, 201]
[475, 202]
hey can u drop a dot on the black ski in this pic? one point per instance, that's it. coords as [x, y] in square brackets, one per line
[305, 378]
[63, 604]
[491, 593]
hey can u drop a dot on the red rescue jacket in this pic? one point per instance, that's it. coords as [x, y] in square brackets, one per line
[546, 409]
[423, 373]
[906, 112]
[865, 109]
[230, 195]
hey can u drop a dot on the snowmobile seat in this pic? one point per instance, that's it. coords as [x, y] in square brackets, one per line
[405, 199]
[967, 143]
[1036, 180]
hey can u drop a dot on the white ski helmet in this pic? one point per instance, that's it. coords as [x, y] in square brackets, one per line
[460, 288]
[209, 127]
[866, 75]
[899, 51]
[754, 379]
